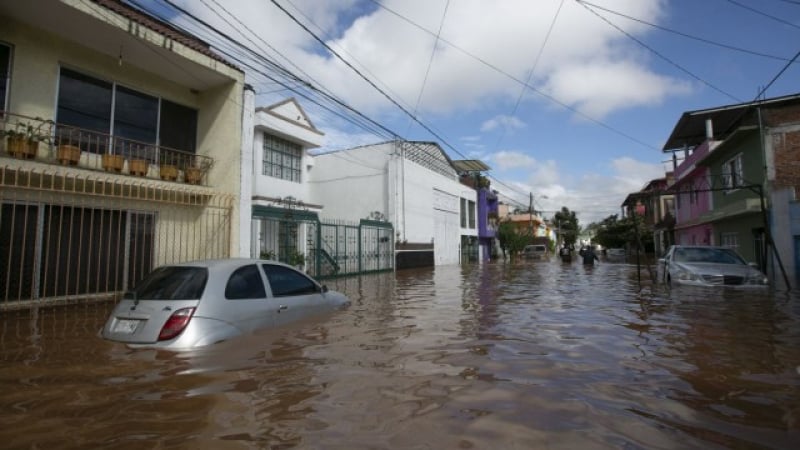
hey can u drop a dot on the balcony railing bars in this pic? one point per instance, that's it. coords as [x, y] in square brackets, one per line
[51, 142]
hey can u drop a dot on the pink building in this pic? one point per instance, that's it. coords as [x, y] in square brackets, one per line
[692, 198]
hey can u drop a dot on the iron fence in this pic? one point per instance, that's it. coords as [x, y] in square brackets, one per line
[324, 248]
[73, 236]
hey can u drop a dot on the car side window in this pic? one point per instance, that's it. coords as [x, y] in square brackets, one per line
[285, 281]
[245, 282]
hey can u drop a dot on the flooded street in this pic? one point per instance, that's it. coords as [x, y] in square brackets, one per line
[501, 356]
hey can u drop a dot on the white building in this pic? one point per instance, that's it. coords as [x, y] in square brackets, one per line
[413, 185]
[276, 183]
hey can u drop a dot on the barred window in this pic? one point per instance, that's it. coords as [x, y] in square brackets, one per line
[732, 173]
[282, 158]
[730, 240]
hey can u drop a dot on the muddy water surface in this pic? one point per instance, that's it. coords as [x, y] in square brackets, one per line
[501, 356]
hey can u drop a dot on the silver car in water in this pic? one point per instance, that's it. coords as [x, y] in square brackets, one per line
[703, 265]
[198, 303]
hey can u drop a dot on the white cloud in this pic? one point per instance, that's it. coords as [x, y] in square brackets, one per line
[597, 88]
[593, 196]
[506, 160]
[483, 53]
[506, 123]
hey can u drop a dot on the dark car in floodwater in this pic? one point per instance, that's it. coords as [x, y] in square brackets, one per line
[199, 303]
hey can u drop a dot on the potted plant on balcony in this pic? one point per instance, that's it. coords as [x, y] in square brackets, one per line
[113, 162]
[139, 158]
[167, 169]
[68, 154]
[23, 141]
[194, 171]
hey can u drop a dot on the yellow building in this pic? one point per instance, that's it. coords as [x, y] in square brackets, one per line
[120, 149]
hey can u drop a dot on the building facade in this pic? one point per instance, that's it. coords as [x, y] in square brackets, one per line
[747, 153]
[413, 185]
[120, 149]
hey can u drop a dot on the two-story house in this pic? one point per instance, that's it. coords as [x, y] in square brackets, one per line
[120, 148]
[486, 203]
[654, 207]
[747, 155]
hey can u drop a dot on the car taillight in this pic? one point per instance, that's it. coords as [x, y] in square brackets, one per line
[175, 324]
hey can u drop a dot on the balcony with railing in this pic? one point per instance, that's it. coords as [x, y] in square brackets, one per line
[46, 141]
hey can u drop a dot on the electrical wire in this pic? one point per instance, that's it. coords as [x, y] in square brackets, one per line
[517, 80]
[761, 13]
[688, 36]
[430, 61]
[533, 68]
[656, 52]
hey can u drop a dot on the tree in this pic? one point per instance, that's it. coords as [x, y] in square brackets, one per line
[566, 223]
[613, 232]
[511, 239]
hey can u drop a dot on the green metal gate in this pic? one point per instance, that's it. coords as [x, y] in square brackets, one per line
[322, 248]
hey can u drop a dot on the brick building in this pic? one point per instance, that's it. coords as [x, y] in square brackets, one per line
[748, 157]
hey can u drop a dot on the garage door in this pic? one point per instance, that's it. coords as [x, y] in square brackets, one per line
[446, 238]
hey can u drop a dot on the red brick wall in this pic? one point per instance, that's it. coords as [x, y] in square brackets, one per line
[787, 159]
[786, 145]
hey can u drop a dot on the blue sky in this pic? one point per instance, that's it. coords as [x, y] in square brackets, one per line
[600, 101]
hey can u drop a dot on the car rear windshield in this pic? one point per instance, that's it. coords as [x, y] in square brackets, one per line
[171, 283]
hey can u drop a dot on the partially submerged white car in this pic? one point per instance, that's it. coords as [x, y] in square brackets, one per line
[702, 265]
[198, 303]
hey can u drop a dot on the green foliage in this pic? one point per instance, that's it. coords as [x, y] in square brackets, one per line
[613, 232]
[296, 259]
[511, 239]
[567, 224]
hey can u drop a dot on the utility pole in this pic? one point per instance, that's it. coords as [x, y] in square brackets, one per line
[530, 214]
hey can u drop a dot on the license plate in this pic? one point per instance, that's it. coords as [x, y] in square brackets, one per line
[126, 326]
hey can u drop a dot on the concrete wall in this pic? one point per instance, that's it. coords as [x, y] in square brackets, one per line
[353, 183]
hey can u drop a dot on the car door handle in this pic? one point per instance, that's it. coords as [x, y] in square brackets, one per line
[282, 307]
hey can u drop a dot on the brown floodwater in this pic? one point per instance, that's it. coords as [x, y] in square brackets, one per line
[500, 356]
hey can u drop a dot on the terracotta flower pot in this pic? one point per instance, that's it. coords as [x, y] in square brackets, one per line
[138, 167]
[113, 163]
[168, 172]
[68, 154]
[193, 175]
[20, 147]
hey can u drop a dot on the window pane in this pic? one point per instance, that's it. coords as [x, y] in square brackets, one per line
[245, 282]
[5, 75]
[178, 127]
[135, 116]
[282, 159]
[84, 102]
[172, 283]
[285, 281]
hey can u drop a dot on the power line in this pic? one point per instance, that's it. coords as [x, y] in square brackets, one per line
[761, 13]
[430, 61]
[688, 36]
[286, 73]
[656, 52]
[517, 80]
[533, 68]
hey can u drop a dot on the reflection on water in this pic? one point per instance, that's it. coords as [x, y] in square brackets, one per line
[497, 356]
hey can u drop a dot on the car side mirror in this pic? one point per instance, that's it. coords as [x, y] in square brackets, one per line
[324, 288]
[752, 264]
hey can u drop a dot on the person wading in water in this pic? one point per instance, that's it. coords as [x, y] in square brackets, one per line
[589, 256]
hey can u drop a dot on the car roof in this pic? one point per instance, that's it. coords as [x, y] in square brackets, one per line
[225, 263]
[703, 246]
